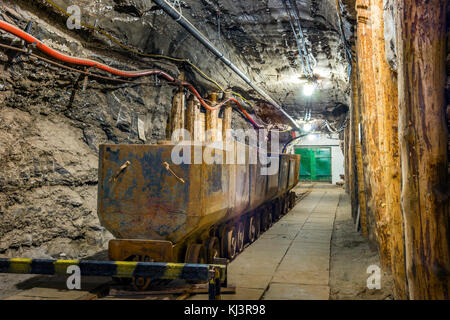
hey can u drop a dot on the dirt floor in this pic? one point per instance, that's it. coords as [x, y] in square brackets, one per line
[351, 256]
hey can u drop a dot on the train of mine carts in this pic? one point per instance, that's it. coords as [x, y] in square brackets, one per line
[180, 221]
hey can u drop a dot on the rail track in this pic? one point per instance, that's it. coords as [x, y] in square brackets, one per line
[55, 288]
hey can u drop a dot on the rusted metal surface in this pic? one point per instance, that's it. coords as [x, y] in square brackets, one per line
[146, 201]
[143, 200]
[283, 174]
[159, 251]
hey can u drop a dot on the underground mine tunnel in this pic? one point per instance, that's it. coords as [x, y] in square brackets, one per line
[249, 150]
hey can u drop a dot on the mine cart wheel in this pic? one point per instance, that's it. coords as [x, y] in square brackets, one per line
[265, 220]
[230, 242]
[262, 221]
[289, 200]
[293, 197]
[213, 249]
[285, 205]
[195, 253]
[275, 211]
[251, 229]
[141, 284]
[240, 237]
[258, 225]
[269, 218]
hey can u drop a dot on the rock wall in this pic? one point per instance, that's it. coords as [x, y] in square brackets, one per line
[52, 121]
[50, 129]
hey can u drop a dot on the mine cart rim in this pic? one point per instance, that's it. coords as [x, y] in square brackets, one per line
[240, 236]
[195, 253]
[139, 283]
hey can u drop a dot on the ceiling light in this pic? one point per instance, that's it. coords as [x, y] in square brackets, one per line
[308, 89]
[295, 79]
[307, 127]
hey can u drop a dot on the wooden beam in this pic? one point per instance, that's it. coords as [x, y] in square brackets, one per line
[177, 114]
[421, 37]
[212, 120]
[360, 186]
[366, 87]
[387, 114]
[352, 172]
[347, 158]
[227, 116]
[193, 122]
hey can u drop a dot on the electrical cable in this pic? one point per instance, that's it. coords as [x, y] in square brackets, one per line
[333, 130]
[292, 140]
[348, 52]
[189, 27]
[305, 54]
[94, 64]
[134, 51]
[69, 68]
[157, 56]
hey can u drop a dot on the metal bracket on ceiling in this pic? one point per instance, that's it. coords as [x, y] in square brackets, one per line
[156, 82]
[307, 115]
[16, 57]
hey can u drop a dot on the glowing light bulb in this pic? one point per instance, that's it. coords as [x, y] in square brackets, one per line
[307, 127]
[295, 79]
[308, 89]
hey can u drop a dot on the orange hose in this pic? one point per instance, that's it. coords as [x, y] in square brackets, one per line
[94, 64]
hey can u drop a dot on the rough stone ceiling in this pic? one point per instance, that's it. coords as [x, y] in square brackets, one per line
[255, 35]
[260, 30]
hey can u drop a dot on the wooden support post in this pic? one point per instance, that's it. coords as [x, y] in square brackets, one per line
[193, 121]
[387, 110]
[227, 116]
[372, 125]
[177, 115]
[360, 185]
[367, 112]
[352, 171]
[212, 117]
[421, 38]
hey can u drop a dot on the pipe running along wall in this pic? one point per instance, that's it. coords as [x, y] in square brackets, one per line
[174, 14]
[122, 73]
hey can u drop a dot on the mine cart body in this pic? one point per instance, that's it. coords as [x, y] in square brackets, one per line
[143, 196]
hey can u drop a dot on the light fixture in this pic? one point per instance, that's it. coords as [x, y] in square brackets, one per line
[307, 127]
[295, 79]
[308, 89]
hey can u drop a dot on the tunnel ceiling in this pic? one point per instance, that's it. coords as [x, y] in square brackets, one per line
[261, 31]
[254, 35]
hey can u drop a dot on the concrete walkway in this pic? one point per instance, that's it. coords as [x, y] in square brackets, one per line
[291, 260]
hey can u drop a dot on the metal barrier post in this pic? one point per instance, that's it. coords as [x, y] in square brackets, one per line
[218, 284]
[212, 283]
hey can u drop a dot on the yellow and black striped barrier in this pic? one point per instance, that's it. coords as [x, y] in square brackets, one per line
[121, 269]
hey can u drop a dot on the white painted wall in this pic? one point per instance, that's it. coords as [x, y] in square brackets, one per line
[337, 156]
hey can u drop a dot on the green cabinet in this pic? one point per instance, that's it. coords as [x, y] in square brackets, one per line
[315, 164]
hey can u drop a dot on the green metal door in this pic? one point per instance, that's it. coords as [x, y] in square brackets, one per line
[315, 164]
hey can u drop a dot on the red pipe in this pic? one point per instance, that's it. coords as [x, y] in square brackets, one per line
[94, 64]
